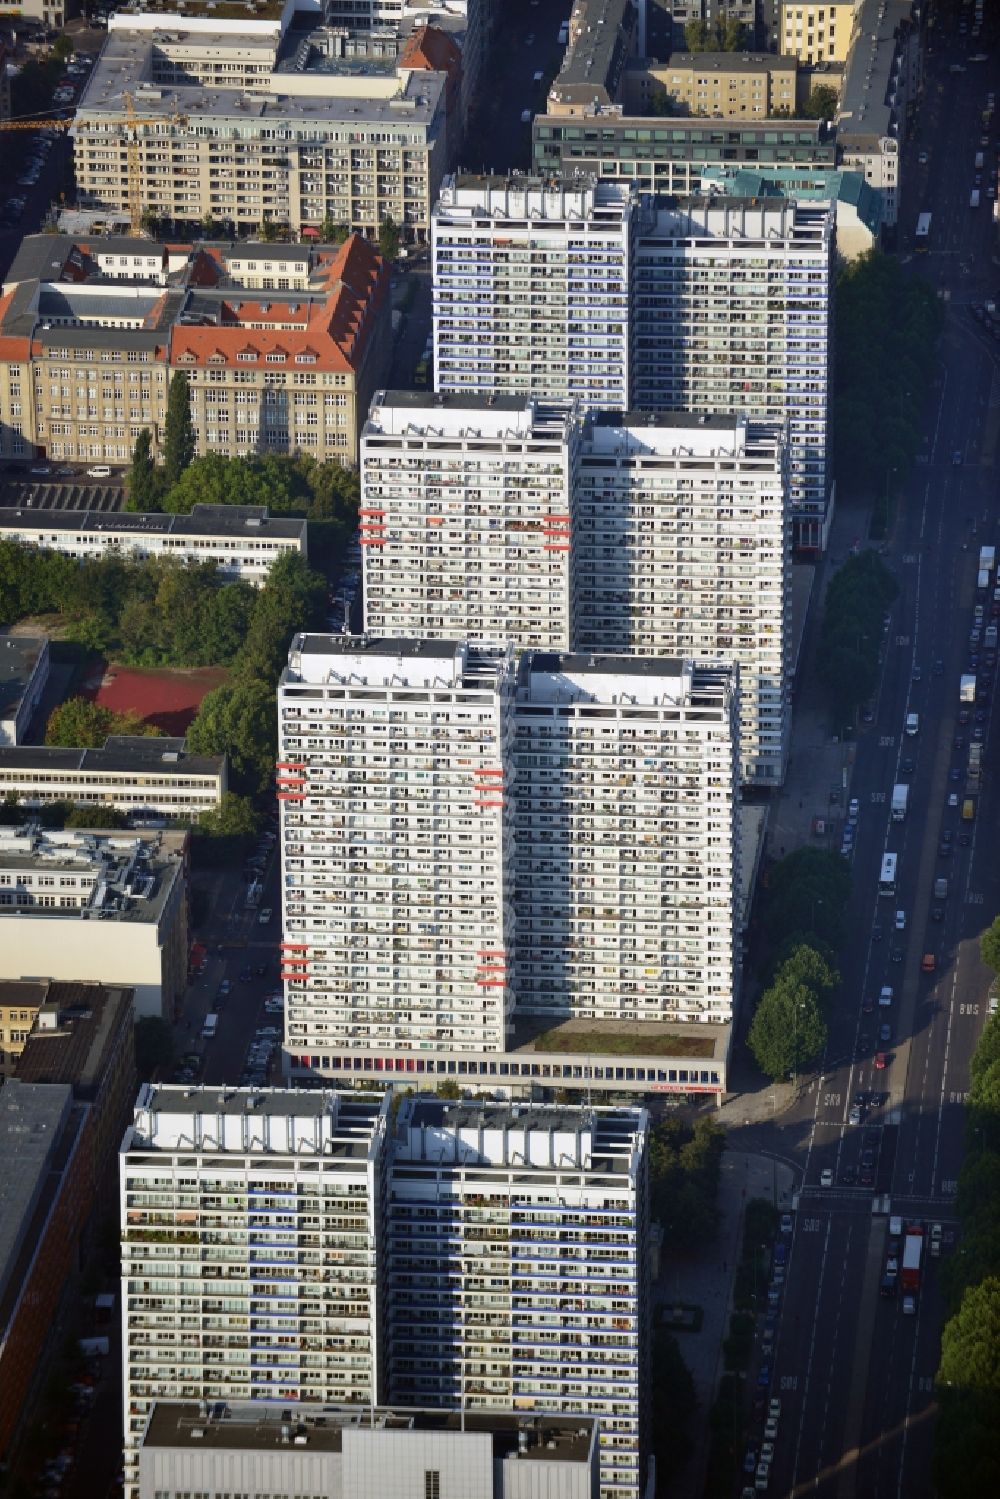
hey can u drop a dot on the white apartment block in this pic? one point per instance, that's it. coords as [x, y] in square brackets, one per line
[241, 541]
[518, 1254]
[532, 287]
[393, 760]
[682, 548]
[733, 311]
[465, 518]
[250, 1227]
[627, 839]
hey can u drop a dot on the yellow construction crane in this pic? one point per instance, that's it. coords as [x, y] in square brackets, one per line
[133, 122]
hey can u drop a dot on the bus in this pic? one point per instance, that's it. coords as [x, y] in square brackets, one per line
[887, 877]
[923, 236]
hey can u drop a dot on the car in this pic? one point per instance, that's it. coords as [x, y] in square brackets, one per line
[246, 974]
[40, 470]
[773, 1412]
[767, 1452]
[937, 913]
[778, 1275]
[922, 158]
[938, 668]
[826, 1177]
[954, 774]
[980, 715]
[896, 956]
[881, 1061]
[786, 1223]
[885, 1033]
[864, 1042]
[65, 472]
[774, 1296]
[956, 458]
[900, 921]
[928, 963]
[944, 850]
[99, 471]
[877, 932]
[750, 1460]
[854, 1116]
[861, 1099]
[909, 1306]
[947, 835]
[953, 798]
[916, 674]
[978, 733]
[867, 714]
[764, 1375]
[853, 808]
[959, 743]
[963, 716]
[868, 1005]
[892, 1263]
[529, 40]
[906, 767]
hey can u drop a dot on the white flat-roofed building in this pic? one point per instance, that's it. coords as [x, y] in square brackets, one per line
[627, 839]
[250, 1226]
[532, 287]
[682, 547]
[132, 774]
[104, 907]
[24, 671]
[370, 1454]
[393, 763]
[518, 1266]
[241, 540]
[733, 311]
[465, 518]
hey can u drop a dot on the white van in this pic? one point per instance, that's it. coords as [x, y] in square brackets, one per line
[912, 723]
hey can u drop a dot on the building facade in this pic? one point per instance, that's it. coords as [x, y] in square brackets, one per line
[734, 312]
[720, 85]
[393, 759]
[532, 288]
[682, 547]
[96, 907]
[817, 32]
[465, 518]
[627, 840]
[241, 541]
[669, 155]
[553, 1318]
[90, 334]
[24, 671]
[138, 776]
[250, 1250]
[254, 121]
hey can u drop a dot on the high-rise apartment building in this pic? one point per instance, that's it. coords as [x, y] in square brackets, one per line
[461, 846]
[682, 547]
[531, 287]
[250, 1249]
[627, 839]
[393, 765]
[465, 518]
[518, 1267]
[733, 312]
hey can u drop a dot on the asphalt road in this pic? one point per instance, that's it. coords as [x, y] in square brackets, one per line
[854, 1373]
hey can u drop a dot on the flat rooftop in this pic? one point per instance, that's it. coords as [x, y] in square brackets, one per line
[247, 1426]
[121, 753]
[74, 1049]
[204, 520]
[19, 658]
[31, 1121]
[132, 876]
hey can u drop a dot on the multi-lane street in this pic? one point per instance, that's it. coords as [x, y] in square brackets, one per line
[854, 1368]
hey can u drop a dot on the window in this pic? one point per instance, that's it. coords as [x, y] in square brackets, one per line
[432, 1483]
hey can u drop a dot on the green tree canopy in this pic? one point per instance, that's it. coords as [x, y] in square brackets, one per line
[239, 719]
[178, 429]
[989, 945]
[388, 238]
[805, 901]
[851, 631]
[292, 599]
[143, 485]
[821, 104]
[234, 817]
[80, 723]
[788, 1029]
[970, 1342]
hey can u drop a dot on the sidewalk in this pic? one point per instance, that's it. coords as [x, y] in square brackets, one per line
[707, 1281]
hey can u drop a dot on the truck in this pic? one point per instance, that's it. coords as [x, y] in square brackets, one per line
[983, 581]
[987, 559]
[940, 888]
[967, 688]
[913, 1253]
[975, 761]
[968, 810]
[900, 798]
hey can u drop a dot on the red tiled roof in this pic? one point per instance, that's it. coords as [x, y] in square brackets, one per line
[431, 49]
[12, 348]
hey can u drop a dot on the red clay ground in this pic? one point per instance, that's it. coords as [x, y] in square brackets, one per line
[165, 695]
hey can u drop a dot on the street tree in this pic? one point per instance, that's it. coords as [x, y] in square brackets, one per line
[178, 429]
[989, 945]
[788, 1031]
[388, 238]
[143, 485]
[239, 719]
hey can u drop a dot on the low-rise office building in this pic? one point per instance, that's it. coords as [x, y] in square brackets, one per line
[858, 207]
[46, 1195]
[349, 1454]
[603, 35]
[282, 345]
[138, 776]
[24, 671]
[98, 907]
[242, 541]
[882, 79]
[669, 155]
